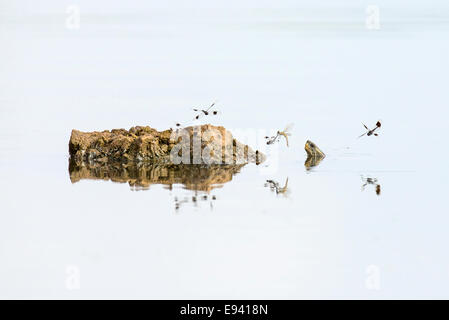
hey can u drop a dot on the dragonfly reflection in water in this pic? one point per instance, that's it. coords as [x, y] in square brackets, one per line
[371, 181]
[284, 133]
[194, 200]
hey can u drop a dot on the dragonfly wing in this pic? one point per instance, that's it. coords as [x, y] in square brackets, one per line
[288, 128]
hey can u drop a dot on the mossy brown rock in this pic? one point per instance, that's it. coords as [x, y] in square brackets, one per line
[145, 144]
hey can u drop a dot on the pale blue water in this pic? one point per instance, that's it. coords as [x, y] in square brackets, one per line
[316, 66]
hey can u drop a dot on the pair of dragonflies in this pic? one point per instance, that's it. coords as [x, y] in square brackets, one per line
[370, 132]
[208, 111]
[203, 112]
[284, 133]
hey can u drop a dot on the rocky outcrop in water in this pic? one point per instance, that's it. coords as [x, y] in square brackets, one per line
[192, 145]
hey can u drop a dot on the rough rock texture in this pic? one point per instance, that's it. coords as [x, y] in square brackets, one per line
[145, 144]
[142, 176]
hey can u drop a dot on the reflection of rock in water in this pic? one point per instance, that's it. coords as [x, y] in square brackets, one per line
[371, 181]
[142, 176]
[314, 155]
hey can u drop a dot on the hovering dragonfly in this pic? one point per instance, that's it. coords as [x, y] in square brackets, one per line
[205, 112]
[284, 133]
[369, 131]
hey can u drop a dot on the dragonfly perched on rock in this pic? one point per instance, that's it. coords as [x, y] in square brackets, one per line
[371, 132]
[284, 133]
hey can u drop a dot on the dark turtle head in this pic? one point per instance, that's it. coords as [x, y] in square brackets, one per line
[314, 155]
[313, 150]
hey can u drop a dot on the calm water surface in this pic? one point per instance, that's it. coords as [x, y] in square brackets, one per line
[370, 221]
